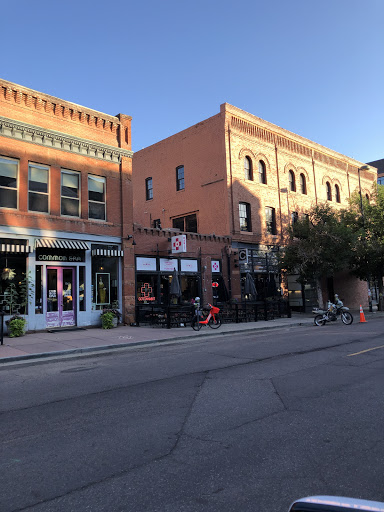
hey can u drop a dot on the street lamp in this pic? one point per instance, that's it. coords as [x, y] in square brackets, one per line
[364, 168]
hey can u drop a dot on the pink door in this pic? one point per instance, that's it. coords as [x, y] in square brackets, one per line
[60, 300]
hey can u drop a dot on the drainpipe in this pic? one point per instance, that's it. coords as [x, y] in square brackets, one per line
[314, 176]
[278, 188]
[230, 172]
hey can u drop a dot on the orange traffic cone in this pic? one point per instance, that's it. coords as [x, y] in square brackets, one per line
[362, 317]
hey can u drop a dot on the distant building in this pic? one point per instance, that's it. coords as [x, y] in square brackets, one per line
[65, 174]
[379, 164]
[243, 179]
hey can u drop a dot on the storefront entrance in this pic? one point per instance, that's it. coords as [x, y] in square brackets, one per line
[60, 297]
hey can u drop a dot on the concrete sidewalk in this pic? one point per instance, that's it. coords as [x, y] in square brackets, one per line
[41, 345]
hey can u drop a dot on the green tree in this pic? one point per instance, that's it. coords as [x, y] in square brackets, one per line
[366, 220]
[317, 246]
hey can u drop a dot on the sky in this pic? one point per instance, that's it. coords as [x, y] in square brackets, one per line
[312, 67]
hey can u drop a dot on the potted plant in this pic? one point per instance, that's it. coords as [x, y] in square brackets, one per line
[110, 318]
[16, 326]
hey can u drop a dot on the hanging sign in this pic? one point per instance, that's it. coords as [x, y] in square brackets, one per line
[215, 266]
[168, 264]
[145, 263]
[179, 244]
[215, 284]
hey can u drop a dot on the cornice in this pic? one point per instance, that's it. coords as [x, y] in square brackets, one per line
[61, 141]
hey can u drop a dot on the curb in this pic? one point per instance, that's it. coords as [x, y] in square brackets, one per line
[103, 348]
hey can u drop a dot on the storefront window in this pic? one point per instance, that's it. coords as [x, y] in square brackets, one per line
[146, 287]
[13, 290]
[104, 282]
[81, 288]
[38, 291]
[189, 288]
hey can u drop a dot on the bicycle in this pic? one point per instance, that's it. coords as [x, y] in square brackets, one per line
[212, 319]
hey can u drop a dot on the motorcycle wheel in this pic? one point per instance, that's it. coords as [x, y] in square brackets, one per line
[346, 317]
[319, 320]
[214, 323]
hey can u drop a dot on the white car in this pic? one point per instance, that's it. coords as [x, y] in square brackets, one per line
[334, 504]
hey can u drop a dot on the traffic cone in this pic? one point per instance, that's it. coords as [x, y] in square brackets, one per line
[362, 317]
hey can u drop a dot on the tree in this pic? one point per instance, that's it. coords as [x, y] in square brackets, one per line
[317, 246]
[366, 220]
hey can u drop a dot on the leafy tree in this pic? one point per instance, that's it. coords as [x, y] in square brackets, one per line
[317, 246]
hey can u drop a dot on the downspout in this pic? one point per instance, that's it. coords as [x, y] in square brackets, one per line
[230, 173]
[314, 176]
[278, 187]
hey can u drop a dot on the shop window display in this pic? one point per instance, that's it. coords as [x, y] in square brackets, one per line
[146, 289]
[13, 290]
[104, 282]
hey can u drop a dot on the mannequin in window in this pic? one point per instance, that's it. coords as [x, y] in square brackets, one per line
[102, 291]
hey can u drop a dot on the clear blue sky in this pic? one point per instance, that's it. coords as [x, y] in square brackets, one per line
[312, 67]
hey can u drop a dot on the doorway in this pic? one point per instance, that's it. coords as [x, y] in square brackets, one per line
[60, 299]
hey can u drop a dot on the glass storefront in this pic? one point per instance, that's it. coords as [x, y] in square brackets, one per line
[104, 282]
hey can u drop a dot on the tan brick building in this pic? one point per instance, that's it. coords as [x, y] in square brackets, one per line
[65, 208]
[236, 175]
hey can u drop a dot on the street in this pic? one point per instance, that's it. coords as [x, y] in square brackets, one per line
[239, 423]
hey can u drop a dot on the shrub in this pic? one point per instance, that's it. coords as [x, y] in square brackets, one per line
[107, 320]
[16, 327]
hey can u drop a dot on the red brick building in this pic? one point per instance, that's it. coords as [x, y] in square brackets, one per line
[65, 209]
[237, 176]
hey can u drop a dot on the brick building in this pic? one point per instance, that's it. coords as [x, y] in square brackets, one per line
[237, 176]
[65, 209]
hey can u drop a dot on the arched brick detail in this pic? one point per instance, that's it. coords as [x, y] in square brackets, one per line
[325, 179]
[290, 167]
[246, 152]
[261, 156]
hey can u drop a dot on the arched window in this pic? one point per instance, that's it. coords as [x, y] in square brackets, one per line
[303, 184]
[292, 181]
[248, 173]
[329, 191]
[337, 194]
[262, 172]
[367, 197]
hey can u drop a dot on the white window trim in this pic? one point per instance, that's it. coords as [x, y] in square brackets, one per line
[46, 168]
[17, 180]
[101, 179]
[68, 171]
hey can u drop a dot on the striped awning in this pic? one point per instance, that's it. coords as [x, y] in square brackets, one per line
[18, 249]
[59, 243]
[109, 253]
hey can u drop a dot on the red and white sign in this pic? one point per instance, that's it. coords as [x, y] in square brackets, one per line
[167, 265]
[145, 263]
[215, 284]
[215, 266]
[188, 265]
[179, 244]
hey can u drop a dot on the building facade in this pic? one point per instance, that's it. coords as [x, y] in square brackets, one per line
[236, 175]
[65, 210]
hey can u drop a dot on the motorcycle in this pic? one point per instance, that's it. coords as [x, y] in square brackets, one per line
[331, 314]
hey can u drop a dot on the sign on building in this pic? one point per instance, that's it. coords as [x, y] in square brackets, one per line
[179, 244]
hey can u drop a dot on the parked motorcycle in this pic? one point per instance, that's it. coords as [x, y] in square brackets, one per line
[331, 314]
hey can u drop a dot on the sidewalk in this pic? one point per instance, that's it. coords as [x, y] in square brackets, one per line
[92, 340]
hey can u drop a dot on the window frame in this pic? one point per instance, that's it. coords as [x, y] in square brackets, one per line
[303, 184]
[328, 191]
[184, 219]
[292, 181]
[148, 190]
[247, 217]
[262, 172]
[337, 194]
[78, 174]
[17, 162]
[103, 180]
[45, 168]
[270, 224]
[248, 168]
[180, 181]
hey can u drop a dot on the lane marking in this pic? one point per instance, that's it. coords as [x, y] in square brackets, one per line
[363, 351]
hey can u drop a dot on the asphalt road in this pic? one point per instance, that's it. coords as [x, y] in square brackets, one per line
[247, 423]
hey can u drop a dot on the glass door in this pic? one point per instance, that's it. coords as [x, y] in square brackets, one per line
[60, 297]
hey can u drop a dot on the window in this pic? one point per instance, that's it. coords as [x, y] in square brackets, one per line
[70, 193]
[380, 180]
[262, 172]
[337, 193]
[367, 197]
[148, 189]
[157, 223]
[245, 217]
[248, 171]
[96, 198]
[303, 184]
[187, 223]
[294, 217]
[180, 177]
[270, 218]
[329, 191]
[38, 187]
[8, 183]
[81, 289]
[292, 181]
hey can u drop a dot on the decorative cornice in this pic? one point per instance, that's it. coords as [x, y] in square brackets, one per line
[58, 140]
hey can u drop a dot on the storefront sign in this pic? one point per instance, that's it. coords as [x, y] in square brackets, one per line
[146, 293]
[168, 265]
[145, 263]
[55, 257]
[179, 244]
[215, 266]
[188, 265]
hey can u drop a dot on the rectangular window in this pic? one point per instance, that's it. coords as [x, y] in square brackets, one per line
[245, 217]
[157, 223]
[38, 290]
[270, 217]
[8, 183]
[294, 217]
[180, 177]
[70, 193]
[96, 198]
[81, 288]
[187, 223]
[38, 188]
[148, 189]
